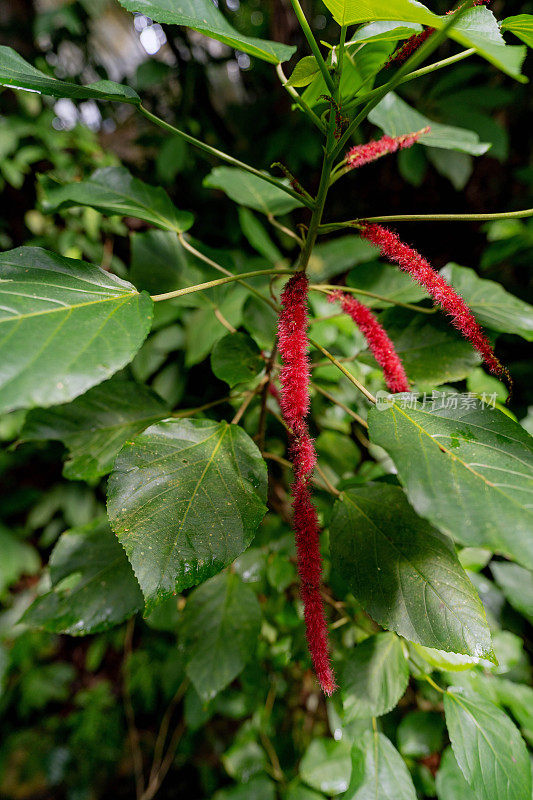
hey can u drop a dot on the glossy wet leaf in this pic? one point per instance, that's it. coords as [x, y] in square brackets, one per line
[114, 191]
[95, 426]
[93, 585]
[65, 326]
[467, 469]
[219, 632]
[16, 73]
[378, 771]
[488, 747]
[375, 677]
[405, 573]
[492, 305]
[203, 16]
[185, 499]
[236, 359]
[250, 191]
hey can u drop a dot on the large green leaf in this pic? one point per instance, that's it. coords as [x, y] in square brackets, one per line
[517, 585]
[95, 426]
[476, 28]
[378, 771]
[395, 117]
[93, 585]
[65, 326]
[375, 677]
[113, 191]
[203, 16]
[467, 469]
[493, 306]
[451, 784]
[219, 632]
[16, 73]
[249, 190]
[185, 499]
[404, 573]
[488, 747]
[521, 25]
[431, 351]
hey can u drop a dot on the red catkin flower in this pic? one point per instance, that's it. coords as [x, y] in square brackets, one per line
[294, 403]
[378, 341]
[371, 151]
[442, 293]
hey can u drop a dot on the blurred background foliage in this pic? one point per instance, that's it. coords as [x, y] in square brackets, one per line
[70, 706]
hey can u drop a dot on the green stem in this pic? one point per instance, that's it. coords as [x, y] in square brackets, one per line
[435, 685]
[423, 52]
[224, 156]
[344, 371]
[300, 101]
[354, 223]
[329, 288]
[200, 287]
[340, 61]
[313, 44]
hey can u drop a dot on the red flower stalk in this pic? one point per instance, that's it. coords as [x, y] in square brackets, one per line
[442, 293]
[294, 403]
[378, 341]
[371, 151]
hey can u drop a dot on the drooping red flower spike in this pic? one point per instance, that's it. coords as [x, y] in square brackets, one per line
[365, 153]
[378, 341]
[440, 290]
[294, 403]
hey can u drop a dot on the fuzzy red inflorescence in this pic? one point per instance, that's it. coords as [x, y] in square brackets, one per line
[378, 341]
[370, 151]
[294, 403]
[442, 293]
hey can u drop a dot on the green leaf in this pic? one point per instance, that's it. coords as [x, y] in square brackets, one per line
[325, 766]
[466, 468]
[338, 255]
[219, 632]
[492, 305]
[203, 16]
[378, 771]
[259, 788]
[488, 747]
[18, 558]
[476, 28]
[375, 677]
[404, 573]
[93, 586]
[395, 117]
[113, 191]
[451, 784]
[249, 190]
[518, 698]
[304, 72]
[384, 32]
[16, 73]
[95, 426]
[521, 25]
[65, 326]
[258, 237]
[517, 585]
[386, 280]
[431, 351]
[185, 499]
[420, 733]
[236, 359]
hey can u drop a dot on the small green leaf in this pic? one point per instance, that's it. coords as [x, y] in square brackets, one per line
[304, 72]
[258, 237]
[465, 467]
[384, 32]
[203, 16]
[517, 585]
[236, 359]
[16, 73]
[338, 255]
[492, 305]
[488, 747]
[219, 632]
[395, 117]
[93, 586]
[185, 499]
[249, 190]
[375, 677]
[96, 425]
[65, 326]
[406, 574]
[451, 784]
[378, 771]
[113, 191]
[521, 25]
[325, 766]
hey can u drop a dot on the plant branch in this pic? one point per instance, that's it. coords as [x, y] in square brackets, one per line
[344, 407]
[344, 371]
[313, 45]
[354, 223]
[200, 287]
[223, 156]
[329, 288]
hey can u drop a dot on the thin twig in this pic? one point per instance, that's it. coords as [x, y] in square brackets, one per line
[250, 396]
[163, 730]
[344, 407]
[264, 396]
[329, 486]
[130, 714]
[344, 371]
